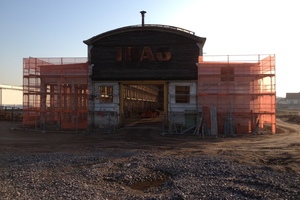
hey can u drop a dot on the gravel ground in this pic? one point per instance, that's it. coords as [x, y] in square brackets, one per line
[128, 174]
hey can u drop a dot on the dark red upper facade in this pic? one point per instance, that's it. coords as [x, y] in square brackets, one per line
[153, 52]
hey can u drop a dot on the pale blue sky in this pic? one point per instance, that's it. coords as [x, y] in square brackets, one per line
[57, 28]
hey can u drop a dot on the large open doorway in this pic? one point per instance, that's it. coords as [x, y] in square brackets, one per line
[143, 104]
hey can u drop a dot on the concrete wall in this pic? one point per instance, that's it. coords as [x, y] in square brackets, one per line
[104, 115]
[183, 113]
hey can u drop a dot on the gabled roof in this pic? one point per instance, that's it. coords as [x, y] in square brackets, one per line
[148, 27]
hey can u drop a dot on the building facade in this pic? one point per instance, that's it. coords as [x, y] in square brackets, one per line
[152, 73]
[292, 101]
[139, 68]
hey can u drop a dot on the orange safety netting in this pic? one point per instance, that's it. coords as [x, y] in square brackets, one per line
[241, 89]
[55, 93]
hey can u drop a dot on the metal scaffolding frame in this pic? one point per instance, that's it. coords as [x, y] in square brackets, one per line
[234, 94]
[241, 89]
[55, 94]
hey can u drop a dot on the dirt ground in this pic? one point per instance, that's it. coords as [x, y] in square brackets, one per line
[141, 163]
[280, 151]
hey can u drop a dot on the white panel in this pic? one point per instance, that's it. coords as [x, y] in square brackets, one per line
[12, 97]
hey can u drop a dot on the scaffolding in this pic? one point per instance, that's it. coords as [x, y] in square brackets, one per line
[233, 94]
[55, 93]
[237, 93]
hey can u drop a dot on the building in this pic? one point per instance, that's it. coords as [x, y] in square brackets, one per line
[55, 93]
[11, 96]
[240, 90]
[143, 71]
[292, 100]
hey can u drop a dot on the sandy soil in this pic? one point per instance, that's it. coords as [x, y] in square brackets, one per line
[143, 164]
[280, 151]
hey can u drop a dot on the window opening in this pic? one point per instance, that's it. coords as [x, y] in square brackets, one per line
[106, 94]
[182, 94]
[227, 74]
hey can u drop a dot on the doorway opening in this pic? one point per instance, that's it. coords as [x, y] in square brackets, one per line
[143, 105]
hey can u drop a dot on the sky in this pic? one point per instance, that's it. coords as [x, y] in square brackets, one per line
[57, 28]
